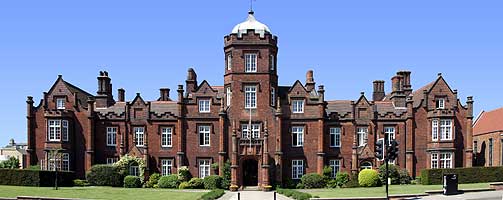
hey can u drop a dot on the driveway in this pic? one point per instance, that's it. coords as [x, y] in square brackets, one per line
[252, 195]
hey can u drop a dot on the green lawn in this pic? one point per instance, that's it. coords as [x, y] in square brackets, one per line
[380, 191]
[100, 193]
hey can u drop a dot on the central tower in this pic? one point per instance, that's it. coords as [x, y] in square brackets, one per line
[251, 96]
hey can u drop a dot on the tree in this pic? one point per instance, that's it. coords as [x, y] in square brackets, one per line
[11, 163]
[55, 155]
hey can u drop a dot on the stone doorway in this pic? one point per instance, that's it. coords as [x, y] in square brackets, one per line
[250, 172]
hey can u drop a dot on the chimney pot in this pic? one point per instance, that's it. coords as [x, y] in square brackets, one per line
[122, 95]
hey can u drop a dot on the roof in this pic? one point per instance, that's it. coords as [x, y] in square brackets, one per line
[488, 122]
[82, 96]
[251, 24]
[417, 95]
[339, 106]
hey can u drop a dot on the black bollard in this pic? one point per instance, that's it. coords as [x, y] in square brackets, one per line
[274, 195]
[239, 196]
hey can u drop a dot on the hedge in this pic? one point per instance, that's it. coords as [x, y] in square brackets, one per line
[465, 175]
[369, 178]
[212, 182]
[294, 194]
[132, 182]
[37, 178]
[170, 181]
[311, 181]
[212, 195]
[104, 175]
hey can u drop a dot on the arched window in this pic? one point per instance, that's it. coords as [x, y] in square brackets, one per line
[366, 165]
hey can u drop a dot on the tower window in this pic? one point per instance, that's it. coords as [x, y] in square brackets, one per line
[228, 94]
[229, 61]
[251, 62]
[273, 96]
[250, 97]
[298, 136]
[272, 63]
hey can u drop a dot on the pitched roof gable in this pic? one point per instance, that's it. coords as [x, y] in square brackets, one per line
[488, 122]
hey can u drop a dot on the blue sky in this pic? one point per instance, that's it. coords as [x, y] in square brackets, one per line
[146, 45]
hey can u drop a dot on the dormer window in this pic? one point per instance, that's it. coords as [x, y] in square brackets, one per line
[250, 62]
[204, 106]
[440, 103]
[229, 61]
[60, 103]
[298, 106]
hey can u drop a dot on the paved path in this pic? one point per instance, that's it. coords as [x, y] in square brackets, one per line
[493, 195]
[252, 195]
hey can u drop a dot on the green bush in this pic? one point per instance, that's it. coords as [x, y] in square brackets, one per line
[170, 181]
[294, 194]
[313, 180]
[342, 178]
[327, 172]
[465, 175]
[80, 183]
[289, 183]
[368, 178]
[34, 167]
[353, 181]
[11, 163]
[104, 175]
[184, 174]
[394, 175]
[184, 185]
[404, 177]
[196, 183]
[299, 186]
[153, 180]
[132, 182]
[332, 184]
[212, 182]
[226, 181]
[212, 195]
[36, 178]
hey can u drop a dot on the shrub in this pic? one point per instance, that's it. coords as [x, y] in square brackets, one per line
[353, 181]
[289, 183]
[368, 178]
[11, 163]
[80, 183]
[332, 184]
[404, 177]
[170, 181]
[313, 181]
[327, 173]
[294, 194]
[299, 186]
[34, 167]
[212, 182]
[212, 195]
[184, 174]
[104, 175]
[36, 178]
[465, 175]
[394, 175]
[342, 178]
[184, 185]
[153, 180]
[132, 182]
[226, 181]
[196, 183]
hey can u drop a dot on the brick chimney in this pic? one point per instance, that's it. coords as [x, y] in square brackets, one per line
[122, 95]
[310, 84]
[164, 94]
[397, 93]
[104, 97]
[406, 85]
[191, 82]
[378, 94]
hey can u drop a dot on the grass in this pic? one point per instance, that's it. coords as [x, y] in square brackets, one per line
[100, 193]
[380, 191]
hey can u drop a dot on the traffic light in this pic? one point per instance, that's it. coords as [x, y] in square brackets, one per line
[380, 149]
[392, 152]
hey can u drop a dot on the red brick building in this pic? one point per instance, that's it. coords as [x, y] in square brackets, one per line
[270, 133]
[487, 138]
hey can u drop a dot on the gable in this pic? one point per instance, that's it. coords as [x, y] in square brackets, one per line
[297, 90]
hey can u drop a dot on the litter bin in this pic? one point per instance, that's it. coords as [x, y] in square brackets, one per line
[450, 184]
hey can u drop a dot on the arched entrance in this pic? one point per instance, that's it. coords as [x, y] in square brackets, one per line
[250, 172]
